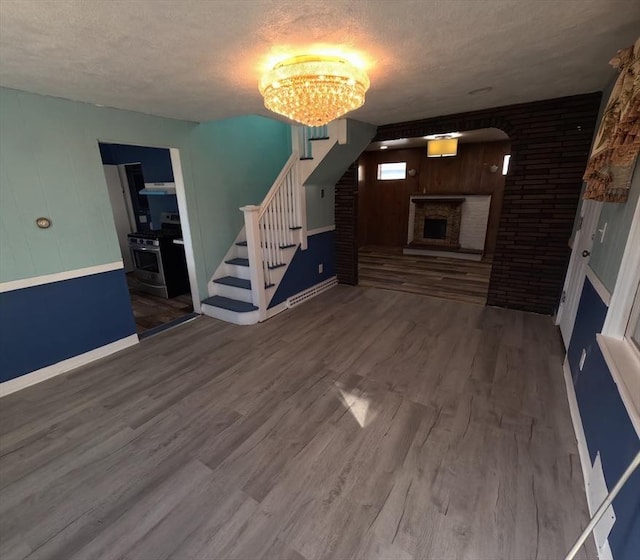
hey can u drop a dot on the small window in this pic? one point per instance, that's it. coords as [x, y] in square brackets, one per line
[505, 164]
[392, 171]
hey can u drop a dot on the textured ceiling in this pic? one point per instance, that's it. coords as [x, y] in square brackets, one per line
[201, 59]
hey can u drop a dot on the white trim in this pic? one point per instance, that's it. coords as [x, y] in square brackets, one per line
[604, 294]
[578, 428]
[604, 552]
[615, 325]
[59, 276]
[624, 366]
[181, 196]
[324, 229]
[64, 366]
[277, 309]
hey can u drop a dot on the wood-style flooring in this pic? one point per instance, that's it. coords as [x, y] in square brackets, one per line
[363, 424]
[457, 279]
[151, 311]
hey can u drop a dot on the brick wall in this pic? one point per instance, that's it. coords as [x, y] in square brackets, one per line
[550, 142]
[346, 216]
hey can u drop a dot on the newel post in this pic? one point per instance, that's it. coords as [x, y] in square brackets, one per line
[254, 248]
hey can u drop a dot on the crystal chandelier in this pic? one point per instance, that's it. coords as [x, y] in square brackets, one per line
[314, 89]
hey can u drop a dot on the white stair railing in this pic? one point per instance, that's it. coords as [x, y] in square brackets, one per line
[278, 224]
[306, 134]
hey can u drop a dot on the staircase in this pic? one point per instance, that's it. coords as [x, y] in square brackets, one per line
[242, 287]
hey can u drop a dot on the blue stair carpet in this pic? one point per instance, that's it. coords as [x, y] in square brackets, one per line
[238, 262]
[235, 282]
[230, 304]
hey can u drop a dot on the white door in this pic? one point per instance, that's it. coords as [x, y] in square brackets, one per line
[576, 272]
[120, 213]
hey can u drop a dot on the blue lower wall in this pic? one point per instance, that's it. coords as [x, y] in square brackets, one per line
[43, 325]
[303, 270]
[607, 426]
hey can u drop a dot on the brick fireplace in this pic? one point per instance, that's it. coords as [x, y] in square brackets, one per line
[437, 222]
[452, 226]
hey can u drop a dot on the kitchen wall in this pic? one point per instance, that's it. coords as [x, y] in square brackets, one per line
[51, 166]
[156, 168]
[384, 205]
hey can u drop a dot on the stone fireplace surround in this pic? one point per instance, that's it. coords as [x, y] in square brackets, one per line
[449, 209]
[467, 220]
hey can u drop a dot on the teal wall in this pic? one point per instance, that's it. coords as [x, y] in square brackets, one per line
[320, 211]
[50, 166]
[234, 162]
[606, 256]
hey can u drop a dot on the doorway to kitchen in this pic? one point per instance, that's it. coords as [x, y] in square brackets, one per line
[142, 192]
[428, 213]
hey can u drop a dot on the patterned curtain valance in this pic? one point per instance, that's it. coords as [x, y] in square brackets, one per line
[617, 143]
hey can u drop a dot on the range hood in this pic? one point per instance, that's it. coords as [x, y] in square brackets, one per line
[154, 189]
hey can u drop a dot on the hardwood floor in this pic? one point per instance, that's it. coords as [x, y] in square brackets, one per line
[363, 424]
[443, 277]
[151, 311]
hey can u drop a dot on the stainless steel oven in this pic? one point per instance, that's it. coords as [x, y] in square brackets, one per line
[148, 269]
[160, 265]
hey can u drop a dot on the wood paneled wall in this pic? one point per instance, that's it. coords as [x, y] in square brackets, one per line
[384, 205]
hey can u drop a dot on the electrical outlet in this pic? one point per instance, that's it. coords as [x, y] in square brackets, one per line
[320, 268]
[583, 357]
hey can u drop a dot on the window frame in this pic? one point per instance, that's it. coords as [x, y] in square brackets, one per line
[379, 169]
[620, 353]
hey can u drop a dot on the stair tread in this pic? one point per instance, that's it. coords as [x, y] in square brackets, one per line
[234, 281]
[241, 243]
[238, 261]
[273, 266]
[230, 304]
[287, 246]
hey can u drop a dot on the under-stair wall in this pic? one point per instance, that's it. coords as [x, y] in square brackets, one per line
[276, 257]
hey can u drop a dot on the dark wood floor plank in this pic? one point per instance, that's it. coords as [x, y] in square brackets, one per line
[366, 423]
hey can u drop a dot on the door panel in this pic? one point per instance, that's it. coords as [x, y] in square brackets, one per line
[576, 272]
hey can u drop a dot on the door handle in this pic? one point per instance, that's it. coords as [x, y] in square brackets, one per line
[586, 253]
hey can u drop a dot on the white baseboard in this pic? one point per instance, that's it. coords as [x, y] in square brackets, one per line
[64, 366]
[583, 450]
[324, 229]
[604, 551]
[277, 309]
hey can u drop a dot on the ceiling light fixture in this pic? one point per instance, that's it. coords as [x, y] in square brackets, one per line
[314, 89]
[443, 136]
[443, 147]
[384, 147]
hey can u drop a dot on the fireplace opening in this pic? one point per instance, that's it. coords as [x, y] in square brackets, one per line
[435, 228]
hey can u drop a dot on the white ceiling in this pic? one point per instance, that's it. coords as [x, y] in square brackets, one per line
[201, 59]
